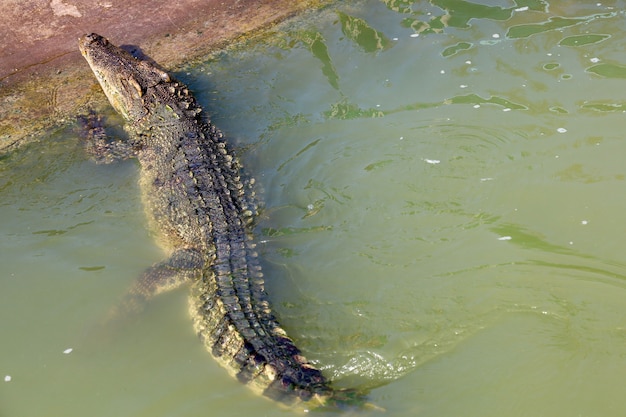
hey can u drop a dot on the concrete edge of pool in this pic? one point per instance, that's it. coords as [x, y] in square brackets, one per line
[44, 81]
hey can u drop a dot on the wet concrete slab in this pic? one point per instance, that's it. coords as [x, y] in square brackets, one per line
[43, 79]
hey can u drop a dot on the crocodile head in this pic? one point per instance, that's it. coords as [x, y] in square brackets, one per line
[124, 78]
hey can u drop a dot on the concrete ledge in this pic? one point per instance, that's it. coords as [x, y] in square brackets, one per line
[43, 79]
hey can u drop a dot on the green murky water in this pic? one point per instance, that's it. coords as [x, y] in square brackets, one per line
[443, 190]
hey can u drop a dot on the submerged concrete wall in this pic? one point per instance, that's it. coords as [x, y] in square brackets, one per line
[44, 80]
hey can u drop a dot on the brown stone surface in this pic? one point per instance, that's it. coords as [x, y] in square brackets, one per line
[43, 78]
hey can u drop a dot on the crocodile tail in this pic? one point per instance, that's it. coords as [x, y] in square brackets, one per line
[342, 400]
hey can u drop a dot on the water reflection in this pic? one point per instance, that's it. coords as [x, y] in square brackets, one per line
[432, 18]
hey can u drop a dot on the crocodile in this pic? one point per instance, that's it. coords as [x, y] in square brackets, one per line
[196, 200]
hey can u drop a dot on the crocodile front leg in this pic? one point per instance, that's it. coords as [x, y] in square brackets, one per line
[99, 146]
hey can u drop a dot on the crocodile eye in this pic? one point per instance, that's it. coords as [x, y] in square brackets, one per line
[132, 87]
[165, 76]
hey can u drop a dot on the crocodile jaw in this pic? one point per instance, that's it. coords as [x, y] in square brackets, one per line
[123, 78]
